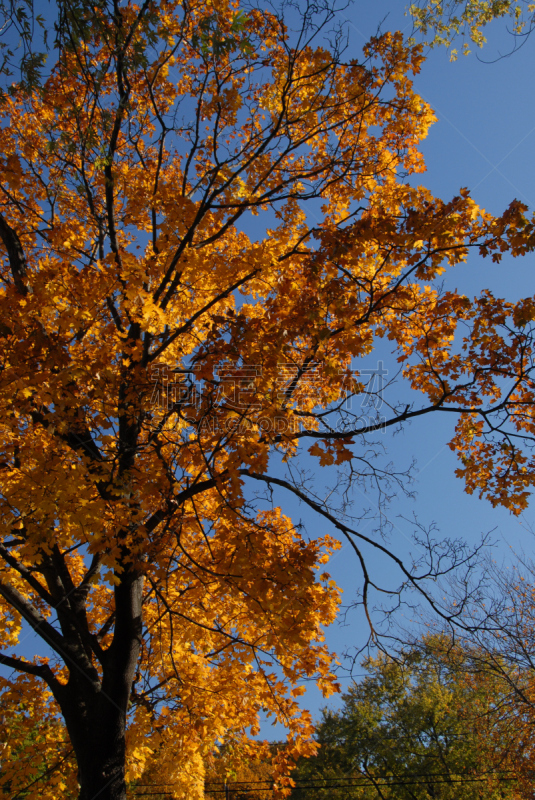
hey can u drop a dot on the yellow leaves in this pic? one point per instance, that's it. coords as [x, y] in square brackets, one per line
[160, 356]
[14, 171]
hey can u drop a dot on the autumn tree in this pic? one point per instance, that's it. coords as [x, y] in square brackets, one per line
[418, 726]
[177, 324]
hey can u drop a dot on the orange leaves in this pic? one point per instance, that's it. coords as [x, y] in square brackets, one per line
[524, 312]
[157, 358]
[332, 452]
[497, 470]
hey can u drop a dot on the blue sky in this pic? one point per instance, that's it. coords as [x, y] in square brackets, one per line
[484, 140]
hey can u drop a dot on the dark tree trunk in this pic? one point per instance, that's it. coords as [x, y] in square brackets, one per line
[94, 707]
[97, 734]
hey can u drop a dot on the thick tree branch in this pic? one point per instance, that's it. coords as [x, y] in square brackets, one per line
[40, 670]
[32, 616]
[17, 260]
[25, 573]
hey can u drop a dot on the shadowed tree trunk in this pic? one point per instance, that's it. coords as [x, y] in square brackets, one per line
[94, 706]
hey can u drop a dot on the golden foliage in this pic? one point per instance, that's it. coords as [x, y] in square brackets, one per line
[133, 307]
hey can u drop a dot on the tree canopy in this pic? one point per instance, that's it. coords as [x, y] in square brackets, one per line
[420, 726]
[205, 223]
[495, 637]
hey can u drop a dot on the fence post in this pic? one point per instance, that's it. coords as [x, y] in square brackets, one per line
[227, 791]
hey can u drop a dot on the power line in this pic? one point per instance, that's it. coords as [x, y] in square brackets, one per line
[335, 783]
[480, 775]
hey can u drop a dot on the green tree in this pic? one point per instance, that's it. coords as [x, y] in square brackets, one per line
[32, 743]
[497, 635]
[416, 727]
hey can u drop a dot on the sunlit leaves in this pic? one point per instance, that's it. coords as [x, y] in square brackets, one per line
[159, 353]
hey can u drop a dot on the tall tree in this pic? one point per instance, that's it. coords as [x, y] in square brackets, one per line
[417, 727]
[159, 363]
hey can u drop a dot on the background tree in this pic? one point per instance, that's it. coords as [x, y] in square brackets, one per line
[158, 363]
[496, 636]
[445, 21]
[416, 727]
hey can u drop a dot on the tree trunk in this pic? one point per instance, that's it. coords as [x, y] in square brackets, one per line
[101, 770]
[95, 708]
[102, 776]
[96, 729]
